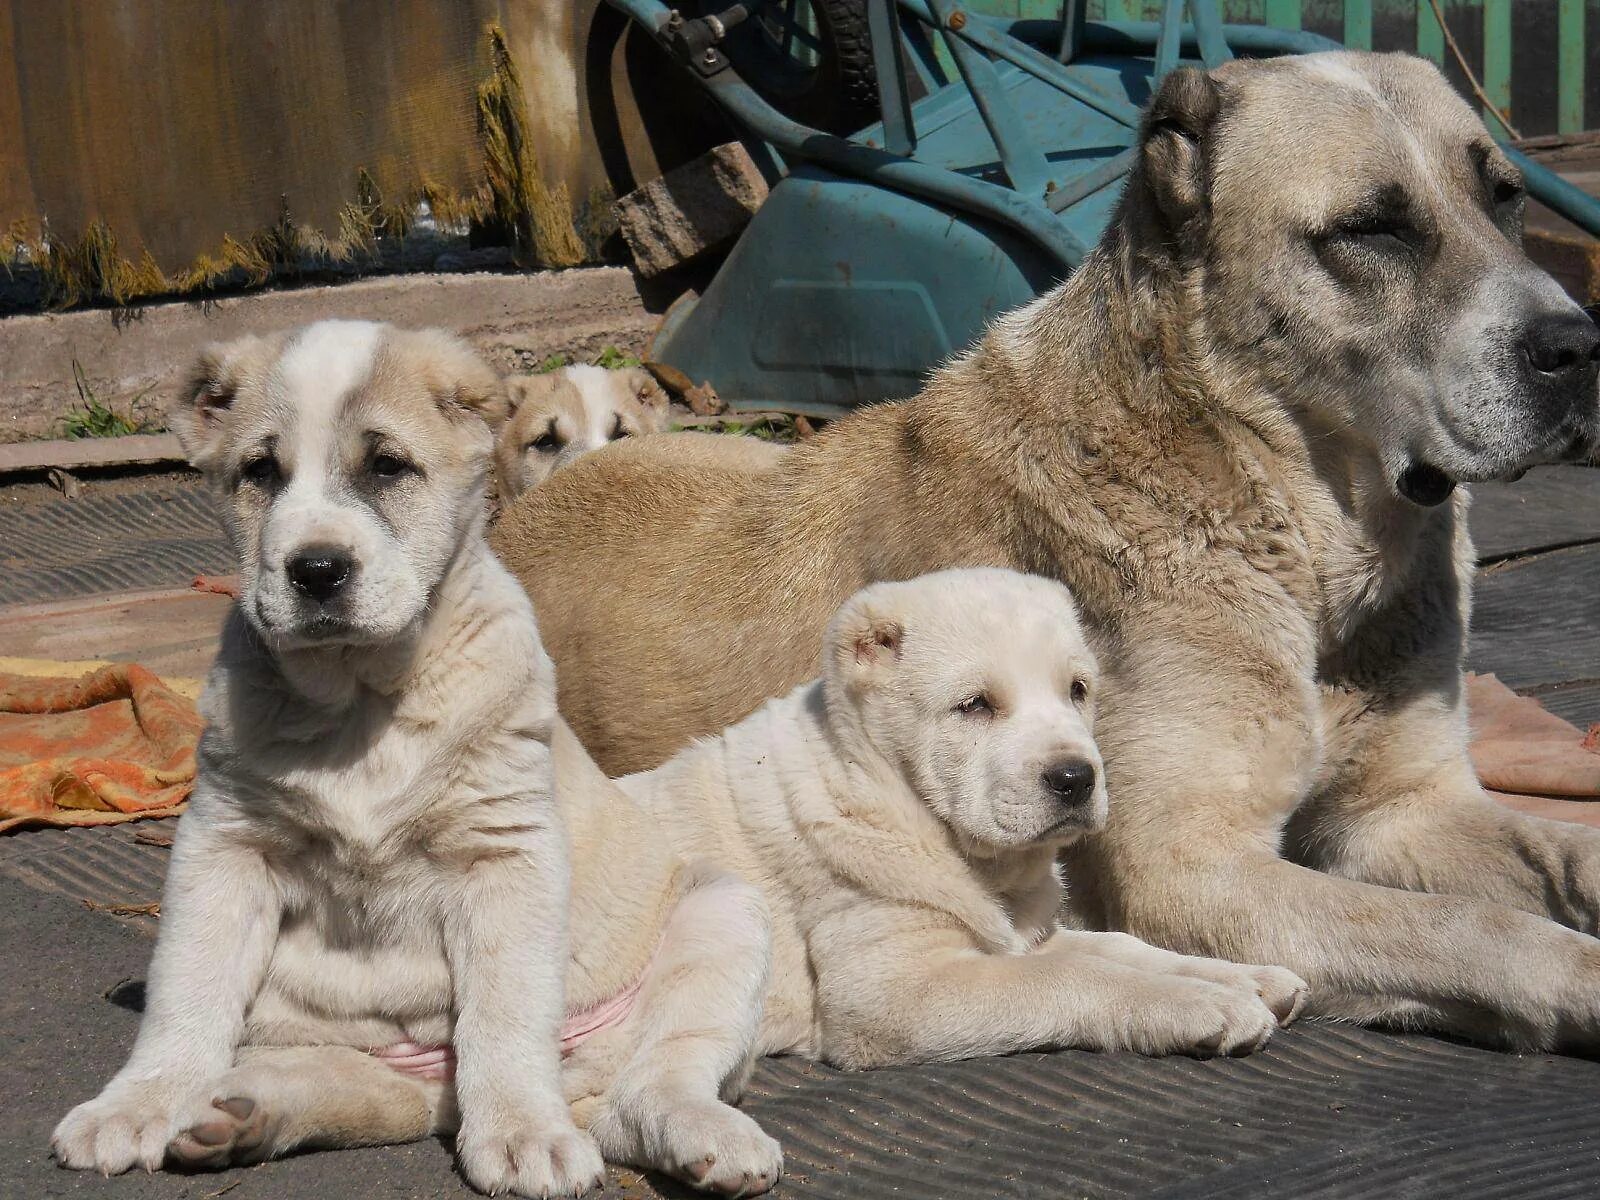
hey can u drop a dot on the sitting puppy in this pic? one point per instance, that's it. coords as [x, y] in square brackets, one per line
[554, 418]
[903, 816]
[373, 857]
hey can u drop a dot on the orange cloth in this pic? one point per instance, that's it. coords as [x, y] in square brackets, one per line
[1520, 748]
[115, 745]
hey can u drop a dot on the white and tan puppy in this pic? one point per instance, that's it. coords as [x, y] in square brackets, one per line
[903, 815]
[365, 931]
[555, 417]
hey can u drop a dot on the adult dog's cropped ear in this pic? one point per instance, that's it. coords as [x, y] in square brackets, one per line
[1174, 145]
[201, 412]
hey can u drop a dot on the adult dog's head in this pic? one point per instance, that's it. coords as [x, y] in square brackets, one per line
[977, 687]
[352, 458]
[1349, 238]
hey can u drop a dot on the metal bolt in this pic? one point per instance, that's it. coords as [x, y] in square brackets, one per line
[958, 20]
[709, 58]
[674, 19]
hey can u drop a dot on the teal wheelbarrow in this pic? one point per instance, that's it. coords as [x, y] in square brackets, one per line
[991, 164]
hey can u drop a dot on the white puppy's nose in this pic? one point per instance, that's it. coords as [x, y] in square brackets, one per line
[1070, 780]
[318, 571]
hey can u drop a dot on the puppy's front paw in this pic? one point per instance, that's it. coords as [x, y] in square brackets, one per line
[718, 1149]
[1281, 990]
[1184, 1015]
[124, 1126]
[529, 1157]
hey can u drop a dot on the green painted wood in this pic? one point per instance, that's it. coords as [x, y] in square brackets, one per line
[1283, 14]
[1497, 62]
[1122, 10]
[1569, 65]
[1358, 24]
[1430, 38]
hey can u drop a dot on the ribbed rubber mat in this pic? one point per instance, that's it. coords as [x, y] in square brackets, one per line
[1326, 1111]
[161, 536]
[102, 864]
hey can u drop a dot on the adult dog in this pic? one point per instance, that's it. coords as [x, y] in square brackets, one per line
[375, 866]
[1236, 434]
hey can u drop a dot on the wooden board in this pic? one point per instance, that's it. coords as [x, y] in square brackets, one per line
[1549, 507]
[1534, 619]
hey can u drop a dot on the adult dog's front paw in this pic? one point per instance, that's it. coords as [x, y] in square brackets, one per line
[529, 1157]
[124, 1126]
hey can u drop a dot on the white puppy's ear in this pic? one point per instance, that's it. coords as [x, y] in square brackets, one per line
[865, 642]
[461, 382]
[201, 413]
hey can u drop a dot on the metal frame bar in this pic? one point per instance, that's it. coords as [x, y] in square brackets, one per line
[888, 62]
[1024, 162]
[1016, 41]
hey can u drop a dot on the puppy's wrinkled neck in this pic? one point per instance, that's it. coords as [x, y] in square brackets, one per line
[337, 676]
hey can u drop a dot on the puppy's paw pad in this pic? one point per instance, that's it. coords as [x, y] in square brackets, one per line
[718, 1149]
[235, 1131]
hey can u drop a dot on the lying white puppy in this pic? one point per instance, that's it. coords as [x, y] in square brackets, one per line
[903, 814]
[373, 866]
[559, 415]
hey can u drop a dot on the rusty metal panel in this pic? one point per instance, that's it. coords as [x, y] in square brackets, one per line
[176, 137]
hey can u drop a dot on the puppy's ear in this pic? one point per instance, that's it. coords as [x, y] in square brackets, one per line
[866, 641]
[203, 409]
[461, 382]
[1175, 142]
[647, 390]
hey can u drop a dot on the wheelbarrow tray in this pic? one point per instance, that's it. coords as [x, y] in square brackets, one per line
[841, 291]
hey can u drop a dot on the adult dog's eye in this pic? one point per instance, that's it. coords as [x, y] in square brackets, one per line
[1080, 691]
[546, 442]
[619, 430]
[261, 471]
[1387, 235]
[975, 706]
[388, 466]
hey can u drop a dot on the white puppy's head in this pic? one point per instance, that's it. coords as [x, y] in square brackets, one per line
[979, 688]
[353, 459]
[558, 416]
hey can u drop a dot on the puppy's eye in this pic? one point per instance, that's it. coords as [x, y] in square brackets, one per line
[645, 393]
[389, 466]
[1080, 691]
[546, 443]
[978, 705]
[261, 471]
[619, 430]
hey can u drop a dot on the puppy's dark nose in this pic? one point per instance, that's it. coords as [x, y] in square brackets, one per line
[1565, 347]
[1071, 780]
[318, 571]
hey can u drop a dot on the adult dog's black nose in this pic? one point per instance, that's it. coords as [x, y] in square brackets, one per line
[1071, 780]
[1564, 347]
[318, 571]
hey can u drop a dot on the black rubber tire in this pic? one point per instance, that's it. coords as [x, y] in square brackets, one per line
[840, 94]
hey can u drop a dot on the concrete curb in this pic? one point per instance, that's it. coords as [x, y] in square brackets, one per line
[136, 450]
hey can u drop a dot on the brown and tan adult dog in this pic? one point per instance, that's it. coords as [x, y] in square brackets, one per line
[1236, 434]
